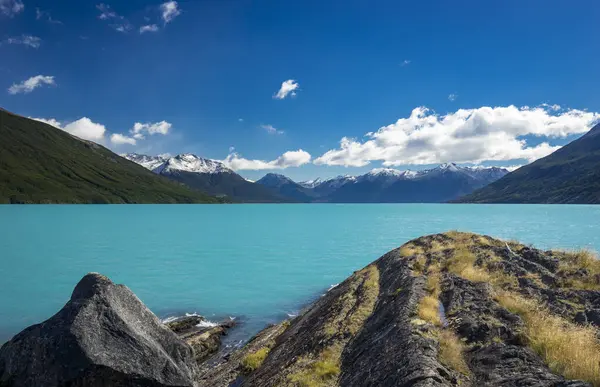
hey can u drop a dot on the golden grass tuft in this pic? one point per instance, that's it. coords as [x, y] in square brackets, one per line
[568, 349]
[451, 352]
[254, 360]
[319, 373]
[429, 310]
[409, 249]
[462, 264]
[572, 261]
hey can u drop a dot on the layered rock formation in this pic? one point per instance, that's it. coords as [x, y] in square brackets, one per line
[442, 310]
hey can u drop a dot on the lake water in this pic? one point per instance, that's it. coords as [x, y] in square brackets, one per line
[258, 263]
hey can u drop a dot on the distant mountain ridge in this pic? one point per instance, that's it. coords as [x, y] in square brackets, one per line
[443, 183]
[569, 175]
[211, 176]
[387, 185]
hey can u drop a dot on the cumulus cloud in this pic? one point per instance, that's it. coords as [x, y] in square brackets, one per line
[169, 11]
[405, 62]
[465, 136]
[26, 40]
[139, 130]
[82, 128]
[288, 87]
[119, 139]
[148, 28]
[452, 97]
[30, 84]
[271, 129]
[286, 160]
[11, 7]
[89, 130]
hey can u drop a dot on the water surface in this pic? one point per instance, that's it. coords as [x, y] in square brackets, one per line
[256, 262]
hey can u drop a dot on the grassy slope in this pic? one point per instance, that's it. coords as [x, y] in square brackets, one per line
[42, 164]
[569, 175]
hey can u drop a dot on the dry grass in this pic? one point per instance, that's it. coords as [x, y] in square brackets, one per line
[419, 264]
[409, 249]
[322, 372]
[451, 352]
[429, 310]
[571, 262]
[568, 349]
[254, 360]
[462, 264]
[353, 308]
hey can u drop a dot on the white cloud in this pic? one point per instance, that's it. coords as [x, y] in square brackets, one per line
[26, 40]
[465, 136]
[405, 62]
[82, 128]
[452, 97]
[85, 128]
[11, 7]
[512, 167]
[271, 129]
[106, 12]
[39, 14]
[119, 139]
[49, 121]
[286, 160]
[169, 11]
[288, 87]
[148, 28]
[240, 120]
[120, 23]
[140, 130]
[30, 84]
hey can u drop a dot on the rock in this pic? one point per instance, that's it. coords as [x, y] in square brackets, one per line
[185, 324]
[205, 340]
[103, 336]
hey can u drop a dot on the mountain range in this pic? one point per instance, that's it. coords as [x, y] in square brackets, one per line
[569, 175]
[210, 176]
[42, 164]
[446, 182]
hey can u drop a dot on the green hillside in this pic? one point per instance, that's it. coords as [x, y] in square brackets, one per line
[569, 175]
[42, 164]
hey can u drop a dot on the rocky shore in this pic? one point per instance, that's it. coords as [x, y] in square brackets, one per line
[442, 310]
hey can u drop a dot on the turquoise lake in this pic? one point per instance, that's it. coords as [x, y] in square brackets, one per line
[257, 263]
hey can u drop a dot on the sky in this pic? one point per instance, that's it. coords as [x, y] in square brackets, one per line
[308, 88]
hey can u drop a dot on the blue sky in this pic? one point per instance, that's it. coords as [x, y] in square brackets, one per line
[211, 71]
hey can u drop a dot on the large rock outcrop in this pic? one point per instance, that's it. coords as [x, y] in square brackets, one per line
[103, 336]
[442, 310]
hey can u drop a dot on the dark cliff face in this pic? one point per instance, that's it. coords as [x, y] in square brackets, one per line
[442, 310]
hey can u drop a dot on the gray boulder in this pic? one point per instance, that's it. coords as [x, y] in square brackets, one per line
[103, 336]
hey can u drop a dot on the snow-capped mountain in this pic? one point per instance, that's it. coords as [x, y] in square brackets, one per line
[444, 182]
[211, 176]
[148, 162]
[186, 162]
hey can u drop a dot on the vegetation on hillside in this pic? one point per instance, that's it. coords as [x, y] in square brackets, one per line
[569, 175]
[42, 164]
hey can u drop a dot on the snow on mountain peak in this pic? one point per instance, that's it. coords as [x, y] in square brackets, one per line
[385, 172]
[186, 162]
